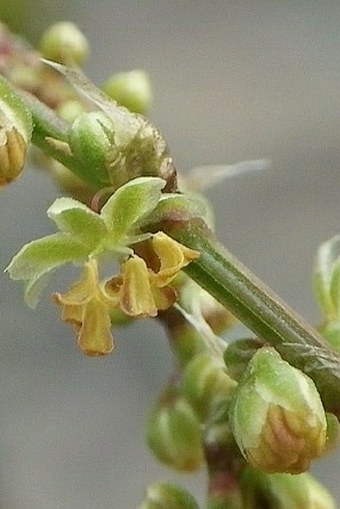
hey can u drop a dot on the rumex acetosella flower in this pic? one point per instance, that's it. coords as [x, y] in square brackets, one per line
[276, 415]
[87, 238]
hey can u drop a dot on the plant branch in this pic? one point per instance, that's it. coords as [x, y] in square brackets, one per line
[48, 127]
[250, 300]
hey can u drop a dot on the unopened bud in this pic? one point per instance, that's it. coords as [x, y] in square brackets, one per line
[174, 434]
[205, 383]
[130, 89]
[277, 416]
[92, 140]
[63, 42]
[168, 496]
[15, 133]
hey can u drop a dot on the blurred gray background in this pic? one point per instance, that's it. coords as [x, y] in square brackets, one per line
[233, 80]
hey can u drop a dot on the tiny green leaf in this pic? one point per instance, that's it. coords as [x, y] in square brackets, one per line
[130, 203]
[75, 218]
[176, 207]
[43, 255]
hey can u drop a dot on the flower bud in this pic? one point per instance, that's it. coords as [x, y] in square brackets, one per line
[239, 353]
[276, 415]
[91, 139]
[130, 89]
[174, 434]
[63, 42]
[205, 383]
[284, 491]
[15, 133]
[166, 496]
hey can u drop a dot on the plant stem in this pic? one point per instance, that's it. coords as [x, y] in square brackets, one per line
[48, 126]
[254, 304]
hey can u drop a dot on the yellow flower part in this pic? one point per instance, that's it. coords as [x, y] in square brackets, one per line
[87, 308]
[173, 257]
[143, 291]
[136, 290]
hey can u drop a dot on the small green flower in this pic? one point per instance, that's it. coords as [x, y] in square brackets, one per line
[277, 416]
[87, 237]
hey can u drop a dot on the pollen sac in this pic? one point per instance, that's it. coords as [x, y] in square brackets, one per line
[276, 415]
[15, 133]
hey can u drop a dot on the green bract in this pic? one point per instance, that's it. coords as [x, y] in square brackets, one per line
[85, 233]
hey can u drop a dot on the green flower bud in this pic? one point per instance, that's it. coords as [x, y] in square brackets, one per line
[205, 383]
[15, 133]
[63, 42]
[174, 434]
[130, 89]
[283, 491]
[276, 415]
[239, 353]
[92, 140]
[168, 496]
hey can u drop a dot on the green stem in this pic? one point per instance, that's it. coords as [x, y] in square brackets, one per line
[48, 126]
[250, 300]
